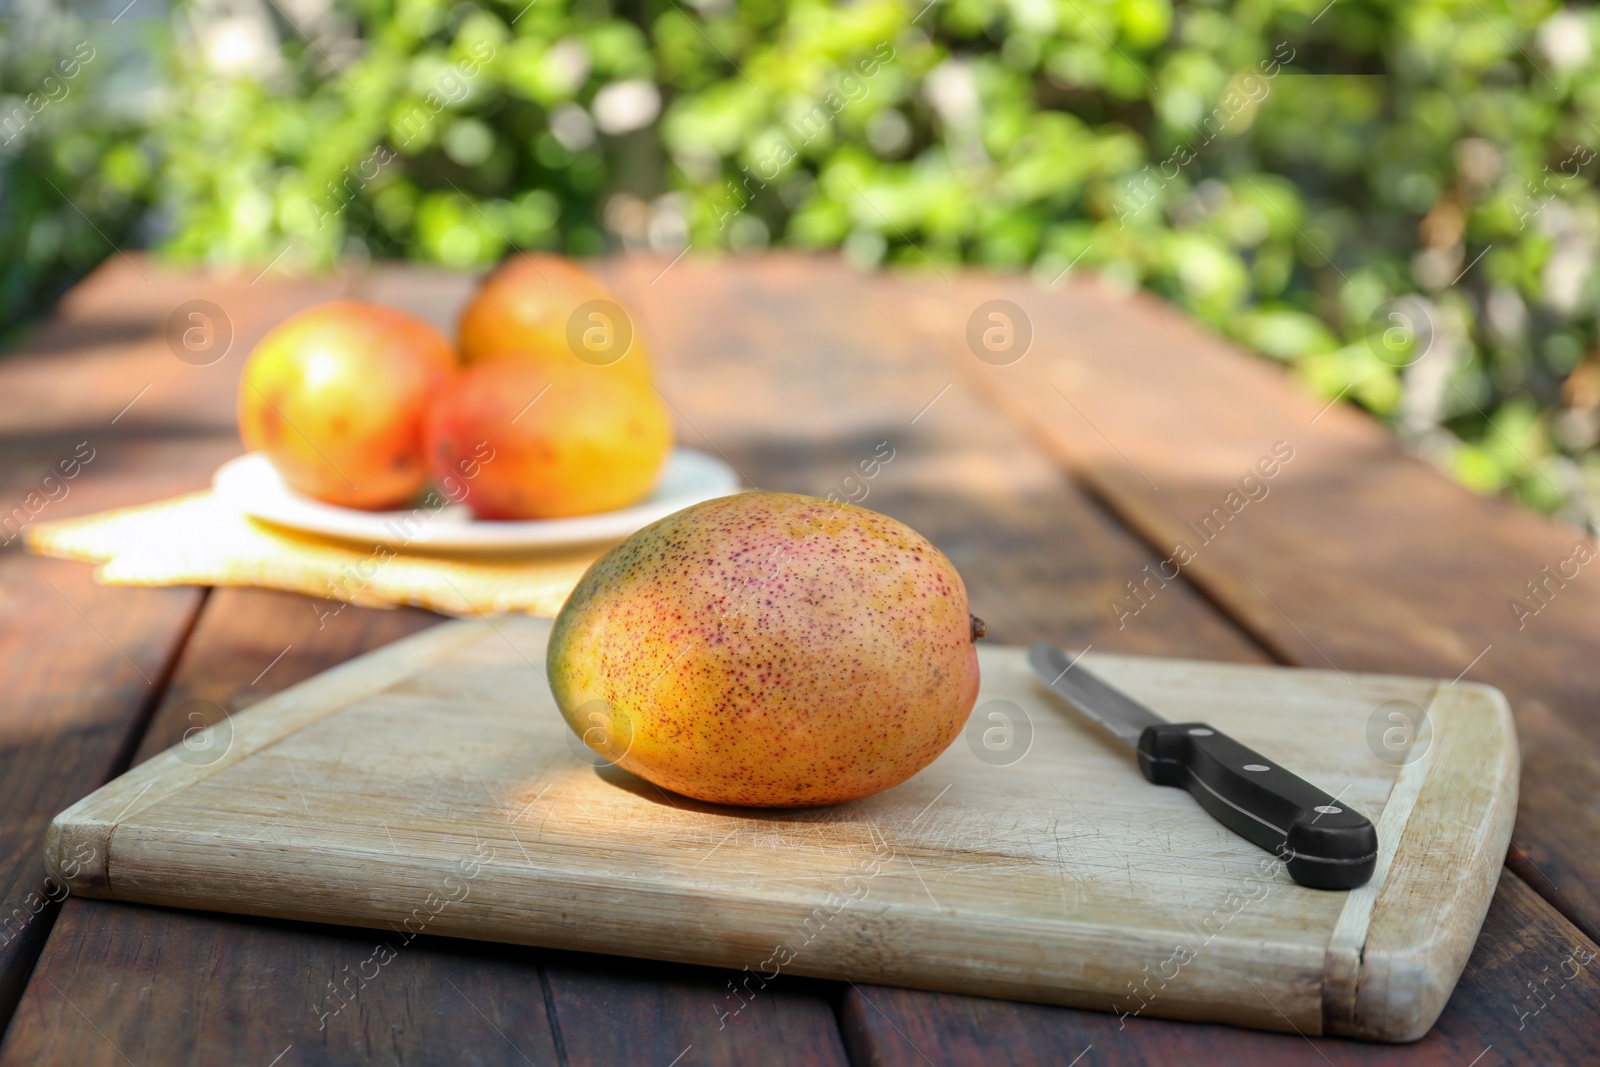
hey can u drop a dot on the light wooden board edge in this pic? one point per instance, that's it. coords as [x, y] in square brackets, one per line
[77, 846]
[1342, 969]
[1446, 826]
[561, 914]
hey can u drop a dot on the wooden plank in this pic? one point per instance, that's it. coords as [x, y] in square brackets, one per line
[85, 663]
[1528, 956]
[613, 1011]
[1357, 557]
[252, 990]
[133, 329]
[69, 717]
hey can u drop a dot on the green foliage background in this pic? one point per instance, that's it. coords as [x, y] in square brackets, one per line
[1284, 170]
[76, 161]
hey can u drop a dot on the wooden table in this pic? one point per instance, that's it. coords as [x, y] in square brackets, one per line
[1052, 482]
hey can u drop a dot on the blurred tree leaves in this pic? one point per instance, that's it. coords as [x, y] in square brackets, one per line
[1291, 172]
[75, 171]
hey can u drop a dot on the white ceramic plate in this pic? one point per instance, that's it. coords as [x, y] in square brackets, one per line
[252, 484]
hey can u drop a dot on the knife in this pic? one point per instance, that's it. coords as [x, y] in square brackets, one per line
[1323, 842]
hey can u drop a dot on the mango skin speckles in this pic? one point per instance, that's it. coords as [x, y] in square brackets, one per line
[768, 649]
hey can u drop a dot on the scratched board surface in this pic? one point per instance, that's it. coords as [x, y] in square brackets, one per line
[432, 787]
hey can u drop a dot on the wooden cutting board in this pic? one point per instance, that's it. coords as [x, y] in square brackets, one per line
[430, 787]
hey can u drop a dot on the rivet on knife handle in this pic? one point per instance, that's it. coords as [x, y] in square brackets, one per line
[1323, 843]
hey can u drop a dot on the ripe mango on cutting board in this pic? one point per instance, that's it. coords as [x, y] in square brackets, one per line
[768, 649]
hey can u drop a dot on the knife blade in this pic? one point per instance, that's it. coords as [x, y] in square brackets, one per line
[1324, 843]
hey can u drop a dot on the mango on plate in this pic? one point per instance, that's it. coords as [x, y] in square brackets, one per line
[548, 311]
[547, 442]
[335, 396]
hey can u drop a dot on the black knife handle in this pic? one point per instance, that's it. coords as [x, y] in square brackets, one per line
[1323, 842]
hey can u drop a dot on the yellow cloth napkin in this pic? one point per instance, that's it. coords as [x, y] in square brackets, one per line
[199, 540]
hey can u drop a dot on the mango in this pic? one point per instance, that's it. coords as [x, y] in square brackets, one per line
[546, 310]
[546, 442]
[336, 395]
[768, 649]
